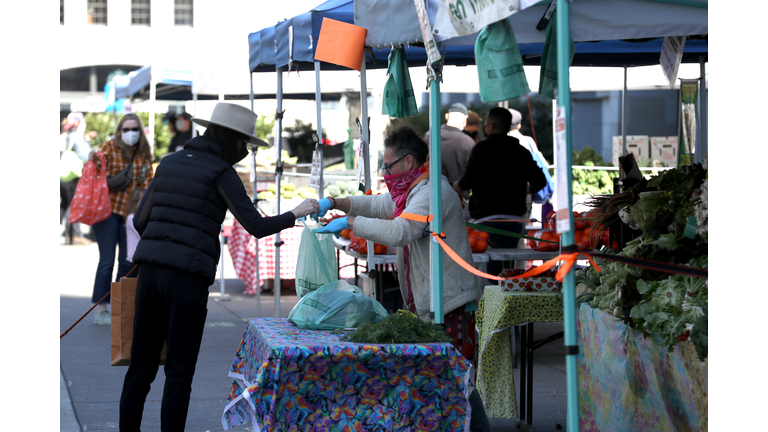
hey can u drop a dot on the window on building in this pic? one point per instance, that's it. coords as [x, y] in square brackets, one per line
[61, 12]
[182, 12]
[97, 12]
[140, 12]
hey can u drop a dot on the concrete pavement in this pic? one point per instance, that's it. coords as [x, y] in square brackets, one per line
[90, 387]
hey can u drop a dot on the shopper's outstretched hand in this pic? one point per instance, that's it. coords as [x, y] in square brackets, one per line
[334, 227]
[307, 207]
[325, 205]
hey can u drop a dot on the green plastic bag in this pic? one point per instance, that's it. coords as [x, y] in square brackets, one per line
[336, 305]
[499, 64]
[548, 71]
[71, 166]
[399, 100]
[316, 263]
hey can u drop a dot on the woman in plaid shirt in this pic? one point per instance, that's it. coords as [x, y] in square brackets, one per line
[110, 233]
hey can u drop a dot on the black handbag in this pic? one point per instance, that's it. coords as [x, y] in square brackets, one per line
[122, 179]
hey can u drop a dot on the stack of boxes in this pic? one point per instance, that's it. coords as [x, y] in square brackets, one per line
[662, 149]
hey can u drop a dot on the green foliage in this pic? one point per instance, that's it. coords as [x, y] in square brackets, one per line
[265, 127]
[591, 182]
[300, 140]
[105, 123]
[399, 328]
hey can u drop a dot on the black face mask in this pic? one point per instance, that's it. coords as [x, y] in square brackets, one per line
[472, 134]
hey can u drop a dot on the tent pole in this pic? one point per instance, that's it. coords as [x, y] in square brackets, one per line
[703, 149]
[152, 96]
[569, 298]
[320, 146]
[279, 175]
[255, 202]
[624, 115]
[435, 205]
[367, 171]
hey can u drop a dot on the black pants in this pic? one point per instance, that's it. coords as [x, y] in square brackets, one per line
[67, 192]
[171, 306]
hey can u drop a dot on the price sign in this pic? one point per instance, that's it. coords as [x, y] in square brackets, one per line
[314, 175]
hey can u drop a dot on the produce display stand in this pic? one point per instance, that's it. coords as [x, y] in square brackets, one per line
[285, 377]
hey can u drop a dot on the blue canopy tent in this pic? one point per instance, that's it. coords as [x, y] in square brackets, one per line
[606, 33]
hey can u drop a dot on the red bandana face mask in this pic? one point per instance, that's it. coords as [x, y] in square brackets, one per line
[398, 185]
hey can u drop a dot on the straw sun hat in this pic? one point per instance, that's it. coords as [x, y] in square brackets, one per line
[236, 118]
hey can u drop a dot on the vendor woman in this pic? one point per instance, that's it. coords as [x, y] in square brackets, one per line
[376, 218]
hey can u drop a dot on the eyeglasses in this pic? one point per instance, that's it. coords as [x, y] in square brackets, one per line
[386, 168]
[130, 129]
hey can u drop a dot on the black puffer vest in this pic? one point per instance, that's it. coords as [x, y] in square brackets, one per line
[187, 211]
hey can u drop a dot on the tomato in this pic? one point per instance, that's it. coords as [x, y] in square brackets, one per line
[472, 243]
[345, 233]
[481, 246]
[379, 249]
[483, 235]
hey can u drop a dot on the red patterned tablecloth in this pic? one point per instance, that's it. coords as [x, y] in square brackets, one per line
[242, 249]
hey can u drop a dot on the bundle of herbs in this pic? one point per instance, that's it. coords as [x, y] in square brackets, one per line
[402, 327]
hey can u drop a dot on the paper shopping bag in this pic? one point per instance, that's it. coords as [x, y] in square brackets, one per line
[123, 309]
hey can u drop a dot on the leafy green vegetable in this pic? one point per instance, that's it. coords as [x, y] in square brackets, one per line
[399, 328]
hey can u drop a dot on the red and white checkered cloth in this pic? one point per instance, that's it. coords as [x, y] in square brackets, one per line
[242, 249]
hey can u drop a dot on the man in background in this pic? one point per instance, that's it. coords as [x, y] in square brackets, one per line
[499, 172]
[472, 127]
[455, 145]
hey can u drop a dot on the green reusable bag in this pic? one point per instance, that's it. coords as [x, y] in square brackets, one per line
[499, 64]
[399, 100]
[336, 305]
[71, 166]
[548, 73]
[316, 263]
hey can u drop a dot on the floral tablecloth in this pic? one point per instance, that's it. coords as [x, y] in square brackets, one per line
[497, 312]
[630, 383]
[287, 379]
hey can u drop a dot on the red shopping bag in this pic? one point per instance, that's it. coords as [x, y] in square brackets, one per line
[91, 202]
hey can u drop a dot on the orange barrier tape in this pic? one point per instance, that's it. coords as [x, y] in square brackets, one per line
[568, 259]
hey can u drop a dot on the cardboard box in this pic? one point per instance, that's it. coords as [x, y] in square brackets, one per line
[664, 150]
[531, 284]
[639, 145]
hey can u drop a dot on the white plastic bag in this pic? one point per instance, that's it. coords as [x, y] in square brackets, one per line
[316, 263]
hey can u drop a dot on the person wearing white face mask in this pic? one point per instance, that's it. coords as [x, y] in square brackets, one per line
[129, 148]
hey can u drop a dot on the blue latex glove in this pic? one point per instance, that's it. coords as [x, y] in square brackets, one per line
[325, 205]
[333, 227]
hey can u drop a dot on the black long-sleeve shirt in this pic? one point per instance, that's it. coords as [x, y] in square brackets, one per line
[230, 187]
[498, 173]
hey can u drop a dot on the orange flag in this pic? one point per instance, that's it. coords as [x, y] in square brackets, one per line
[341, 43]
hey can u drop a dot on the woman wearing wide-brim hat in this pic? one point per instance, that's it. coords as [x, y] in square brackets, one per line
[179, 220]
